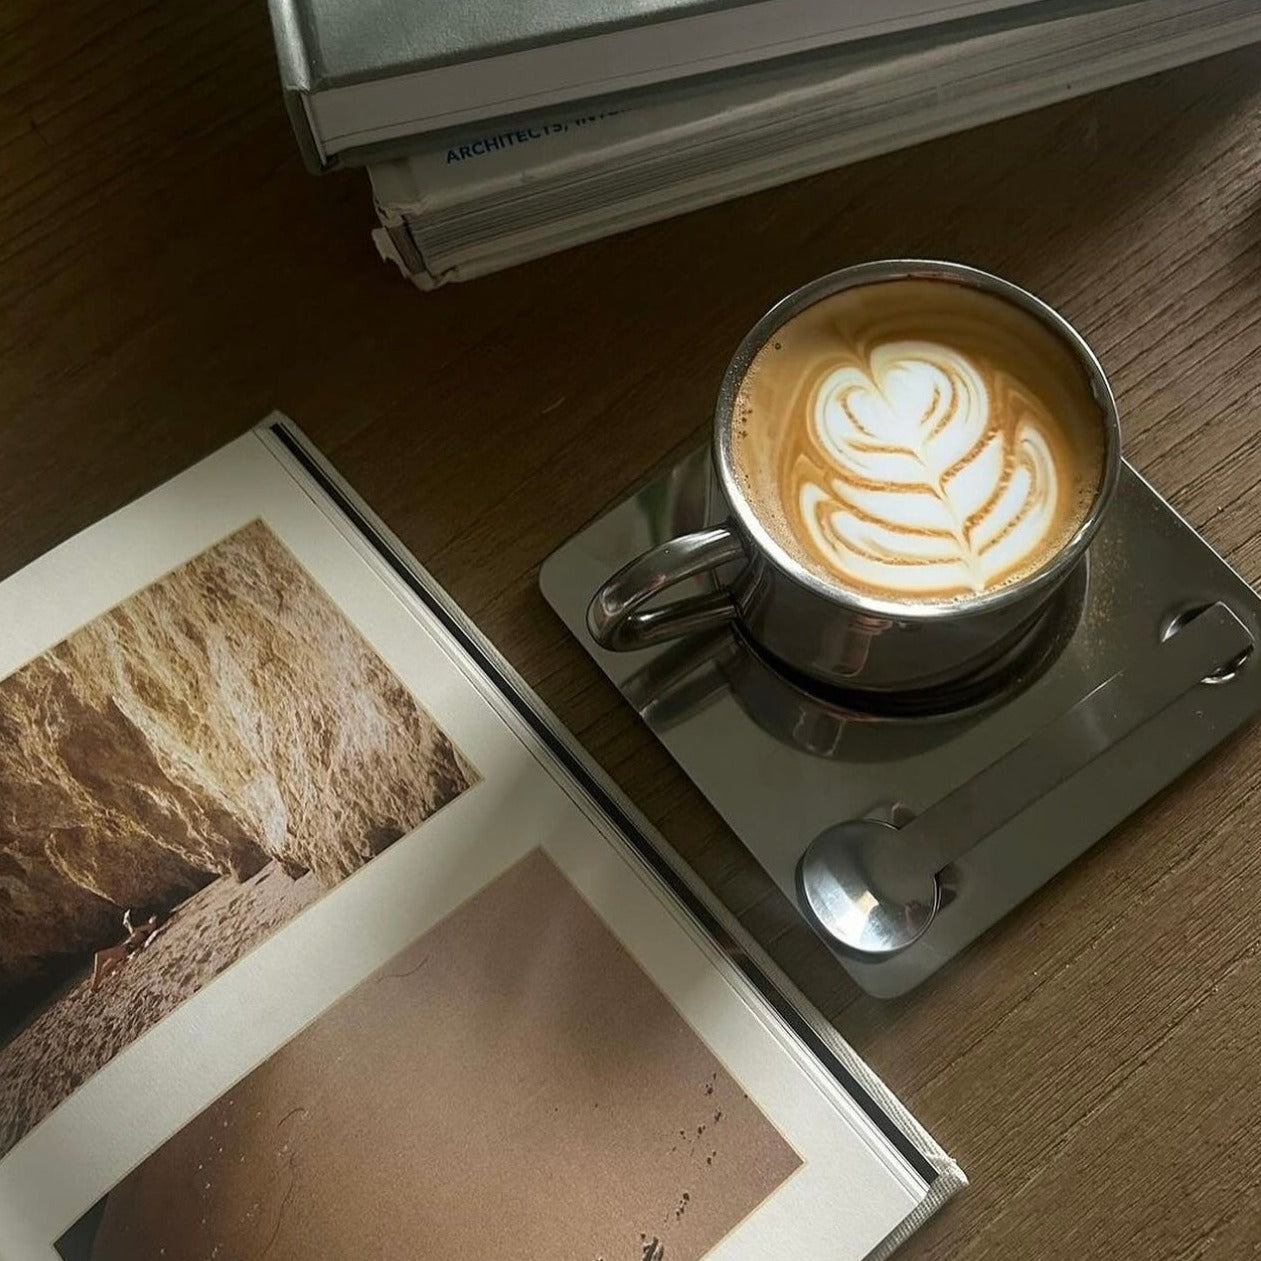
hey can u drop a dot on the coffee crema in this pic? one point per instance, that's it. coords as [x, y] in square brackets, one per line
[918, 439]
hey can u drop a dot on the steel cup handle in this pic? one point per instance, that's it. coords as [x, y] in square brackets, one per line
[616, 616]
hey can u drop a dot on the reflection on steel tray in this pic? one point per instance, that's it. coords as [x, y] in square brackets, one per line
[994, 784]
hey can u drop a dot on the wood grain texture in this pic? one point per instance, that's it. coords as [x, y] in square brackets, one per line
[168, 273]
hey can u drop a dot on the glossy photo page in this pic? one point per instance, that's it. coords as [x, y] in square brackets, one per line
[319, 938]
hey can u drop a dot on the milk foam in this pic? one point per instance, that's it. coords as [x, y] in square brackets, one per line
[919, 439]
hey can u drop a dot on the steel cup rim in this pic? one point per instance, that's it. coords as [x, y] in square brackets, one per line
[1042, 580]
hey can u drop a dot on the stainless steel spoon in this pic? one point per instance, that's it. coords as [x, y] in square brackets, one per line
[874, 889]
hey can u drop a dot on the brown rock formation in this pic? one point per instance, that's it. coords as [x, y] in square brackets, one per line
[226, 715]
[71, 1038]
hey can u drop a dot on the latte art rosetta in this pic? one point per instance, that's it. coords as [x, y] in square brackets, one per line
[926, 483]
[918, 439]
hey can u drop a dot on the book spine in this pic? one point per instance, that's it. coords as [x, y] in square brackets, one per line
[475, 164]
[382, 101]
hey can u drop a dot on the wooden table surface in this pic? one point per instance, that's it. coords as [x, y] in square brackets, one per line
[169, 273]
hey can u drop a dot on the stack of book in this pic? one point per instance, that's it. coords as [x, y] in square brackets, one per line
[493, 134]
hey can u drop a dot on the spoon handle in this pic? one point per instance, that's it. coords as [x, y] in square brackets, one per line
[1052, 755]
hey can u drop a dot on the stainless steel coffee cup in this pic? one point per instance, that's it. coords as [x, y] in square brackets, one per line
[841, 637]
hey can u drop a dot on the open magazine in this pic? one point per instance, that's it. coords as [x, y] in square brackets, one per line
[320, 939]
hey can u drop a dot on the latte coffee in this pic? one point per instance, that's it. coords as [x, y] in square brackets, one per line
[919, 440]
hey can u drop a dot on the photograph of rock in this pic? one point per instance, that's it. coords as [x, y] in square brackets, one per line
[178, 779]
[512, 1084]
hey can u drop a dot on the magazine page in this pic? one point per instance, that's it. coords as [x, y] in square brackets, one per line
[307, 948]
